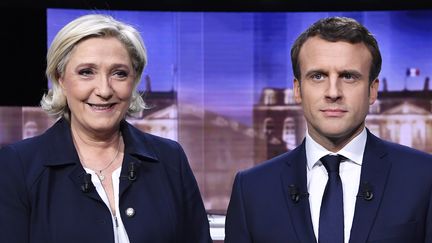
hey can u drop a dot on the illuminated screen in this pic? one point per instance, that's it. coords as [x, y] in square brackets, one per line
[220, 83]
[224, 60]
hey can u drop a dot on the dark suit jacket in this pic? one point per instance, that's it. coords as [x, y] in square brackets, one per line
[41, 200]
[262, 210]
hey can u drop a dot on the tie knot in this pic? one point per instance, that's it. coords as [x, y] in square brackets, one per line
[332, 162]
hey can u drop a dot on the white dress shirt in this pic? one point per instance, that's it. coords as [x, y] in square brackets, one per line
[349, 171]
[120, 234]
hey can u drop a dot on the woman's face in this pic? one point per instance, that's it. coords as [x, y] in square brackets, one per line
[98, 82]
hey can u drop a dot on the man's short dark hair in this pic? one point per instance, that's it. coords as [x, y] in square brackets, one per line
[339, 29]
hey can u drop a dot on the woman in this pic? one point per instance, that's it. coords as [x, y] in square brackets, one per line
[92, 177]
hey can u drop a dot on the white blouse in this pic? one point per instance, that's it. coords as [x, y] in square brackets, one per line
[120, 234]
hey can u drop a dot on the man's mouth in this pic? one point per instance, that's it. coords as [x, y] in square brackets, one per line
[333, 112]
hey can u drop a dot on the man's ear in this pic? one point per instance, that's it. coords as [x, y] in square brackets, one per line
[373, 91]
[297, 91]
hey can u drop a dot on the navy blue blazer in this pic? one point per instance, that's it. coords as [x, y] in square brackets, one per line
[41, 199]
[262, 208]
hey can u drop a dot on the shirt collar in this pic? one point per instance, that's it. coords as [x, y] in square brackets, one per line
[353, 150]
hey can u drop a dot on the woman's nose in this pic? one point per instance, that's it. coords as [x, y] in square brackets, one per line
[104, 88]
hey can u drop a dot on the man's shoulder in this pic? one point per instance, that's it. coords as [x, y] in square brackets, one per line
[404, 153]
[399, 153]
[272, 167]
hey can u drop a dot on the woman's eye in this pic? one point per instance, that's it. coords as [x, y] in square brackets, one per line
[120, 74]
[85, 72]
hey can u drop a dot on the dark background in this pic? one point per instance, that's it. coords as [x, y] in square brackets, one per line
[23, 31]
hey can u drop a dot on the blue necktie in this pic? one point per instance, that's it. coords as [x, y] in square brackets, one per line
[331, 220]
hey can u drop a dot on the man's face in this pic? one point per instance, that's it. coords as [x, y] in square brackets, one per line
[334, 89]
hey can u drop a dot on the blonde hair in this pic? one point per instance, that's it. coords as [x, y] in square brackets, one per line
[85, 27]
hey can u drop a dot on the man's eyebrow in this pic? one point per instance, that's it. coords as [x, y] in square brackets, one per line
[351, 71]
[314, 71]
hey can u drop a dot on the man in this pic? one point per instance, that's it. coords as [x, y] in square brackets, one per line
[342, 184]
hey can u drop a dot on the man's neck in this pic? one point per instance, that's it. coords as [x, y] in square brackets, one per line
[334, 144]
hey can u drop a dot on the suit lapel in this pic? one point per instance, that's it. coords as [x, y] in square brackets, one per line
[294, 174]
[375, 171]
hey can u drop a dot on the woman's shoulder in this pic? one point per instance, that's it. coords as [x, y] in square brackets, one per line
[164, 150]
[38, 142]
[33, 152]
[149, 139]
[27, 145]
[24, 158]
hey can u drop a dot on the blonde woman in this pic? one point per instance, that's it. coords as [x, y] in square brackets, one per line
[93, 177]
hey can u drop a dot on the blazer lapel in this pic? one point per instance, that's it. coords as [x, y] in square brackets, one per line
[62, 154]
[126, 179]
[77, 176]
[293, 177]
[138, 152]
[374, 173]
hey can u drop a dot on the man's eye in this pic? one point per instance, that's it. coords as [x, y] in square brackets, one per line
[317, 76]
[347, 76]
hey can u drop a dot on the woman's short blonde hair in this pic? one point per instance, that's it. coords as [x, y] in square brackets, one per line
[84, 27]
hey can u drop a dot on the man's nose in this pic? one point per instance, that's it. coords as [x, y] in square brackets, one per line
[334, 91]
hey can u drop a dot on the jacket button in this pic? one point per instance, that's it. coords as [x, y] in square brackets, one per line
[130, 212]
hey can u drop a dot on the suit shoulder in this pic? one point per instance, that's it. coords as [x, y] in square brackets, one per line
[398, 153]
[401, 151]
[268, 168]
[296, 155]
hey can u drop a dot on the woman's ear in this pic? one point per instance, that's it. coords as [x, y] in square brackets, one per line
[61, 83]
